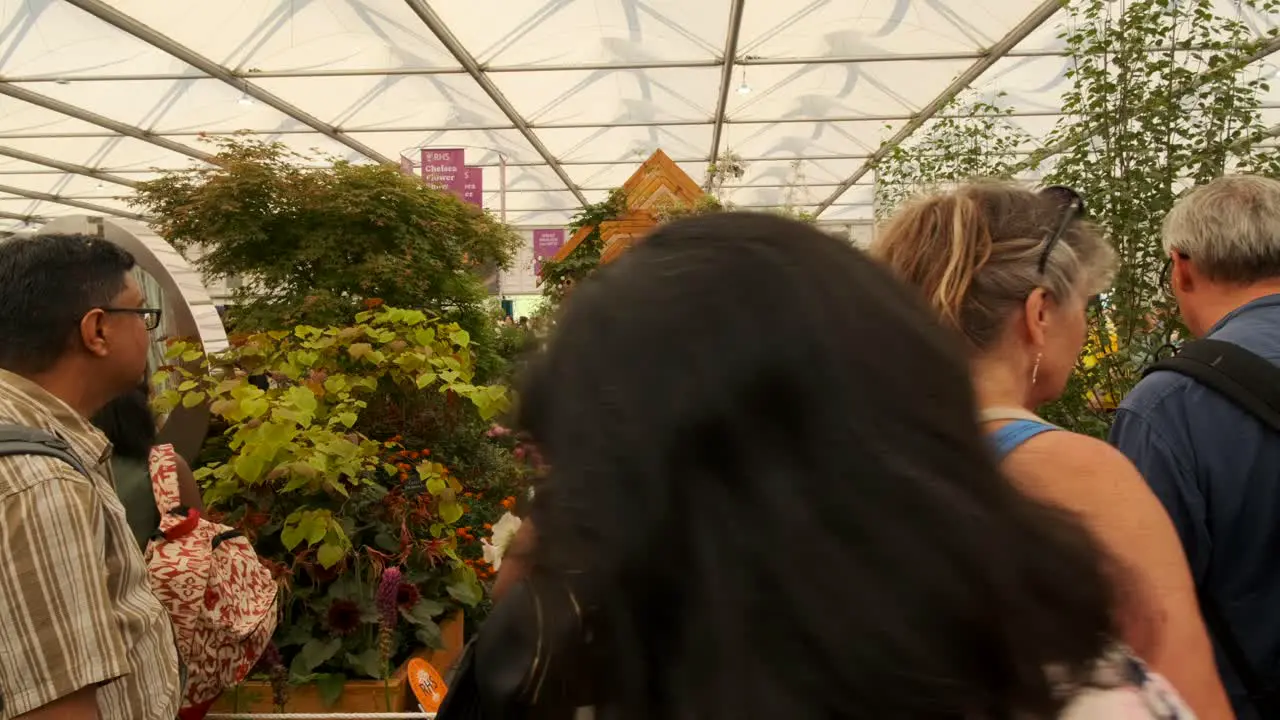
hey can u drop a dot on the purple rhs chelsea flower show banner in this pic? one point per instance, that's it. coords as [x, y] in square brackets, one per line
[546, 243]
[443, 169]
[473, 186]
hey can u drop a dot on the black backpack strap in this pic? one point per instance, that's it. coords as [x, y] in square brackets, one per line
[22, 440]
[1252, 383]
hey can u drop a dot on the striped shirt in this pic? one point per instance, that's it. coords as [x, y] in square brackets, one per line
[76, 606]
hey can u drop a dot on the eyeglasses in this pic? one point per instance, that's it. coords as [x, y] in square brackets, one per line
[150, 316]
[1073, 208]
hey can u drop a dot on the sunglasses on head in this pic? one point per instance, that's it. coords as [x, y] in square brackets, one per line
[1073, 208]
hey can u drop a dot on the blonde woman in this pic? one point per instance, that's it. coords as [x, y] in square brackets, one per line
[1013, 270]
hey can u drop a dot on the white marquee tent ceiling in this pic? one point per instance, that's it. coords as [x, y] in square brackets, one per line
[95, 96]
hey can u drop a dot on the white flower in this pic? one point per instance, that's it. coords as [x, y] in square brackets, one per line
[504, 531]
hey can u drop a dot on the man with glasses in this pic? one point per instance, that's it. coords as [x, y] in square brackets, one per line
[81, 634]
[1204, 427]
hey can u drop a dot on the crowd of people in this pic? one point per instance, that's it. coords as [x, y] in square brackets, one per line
[789, 478]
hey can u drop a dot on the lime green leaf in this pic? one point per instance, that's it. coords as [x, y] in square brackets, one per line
[193, 399]
[333, 484]
[464, 587]
[249, 468]
[317, 526]
[359, 350]
[426, 379]
[292, 534]
[461, 338]
[329, 555]
[450, 512]
[348, 419]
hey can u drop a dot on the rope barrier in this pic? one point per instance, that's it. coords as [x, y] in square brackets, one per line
[323, 716]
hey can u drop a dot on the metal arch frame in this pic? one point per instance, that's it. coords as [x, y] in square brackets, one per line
[1046, 10]
[837, 119]
[23, 218]
[1273, 132]
[71, 202]
[692, 63]
[480, 73]
[726, 78]
[468, 62]
[162, 42]
[79, 113]
[66, 167]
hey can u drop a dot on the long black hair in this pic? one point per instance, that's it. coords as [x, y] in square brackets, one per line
[129, 424]
[766, 469]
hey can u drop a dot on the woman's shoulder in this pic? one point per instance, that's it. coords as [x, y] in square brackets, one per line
[1071, 451]
[1122, 688]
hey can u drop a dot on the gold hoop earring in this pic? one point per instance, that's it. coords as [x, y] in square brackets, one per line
[1035, 369]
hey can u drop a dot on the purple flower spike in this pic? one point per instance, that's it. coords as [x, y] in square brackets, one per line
[388, 590]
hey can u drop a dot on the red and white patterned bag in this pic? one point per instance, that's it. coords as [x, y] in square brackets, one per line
[220, 597]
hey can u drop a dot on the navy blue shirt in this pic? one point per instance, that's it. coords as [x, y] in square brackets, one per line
[1216, 469]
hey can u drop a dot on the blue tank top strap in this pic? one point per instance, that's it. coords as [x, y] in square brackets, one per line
[1011, 436]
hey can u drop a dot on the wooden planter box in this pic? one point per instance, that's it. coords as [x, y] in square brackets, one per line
[254, 696]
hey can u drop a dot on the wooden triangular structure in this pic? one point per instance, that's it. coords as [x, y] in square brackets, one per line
[659, 182]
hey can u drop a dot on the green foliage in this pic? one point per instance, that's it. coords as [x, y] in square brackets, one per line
[706, 205]
[558, 277]
[327, 498]
[971, 139]
[313, 243]
[1139, 128]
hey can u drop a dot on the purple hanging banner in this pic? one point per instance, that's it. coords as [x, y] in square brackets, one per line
[473, 186]
[443, 169]
[546, 243]
[406, 165]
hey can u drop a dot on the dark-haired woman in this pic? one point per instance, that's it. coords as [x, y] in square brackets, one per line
[769, 499]
[1012, 270]
[131, 427]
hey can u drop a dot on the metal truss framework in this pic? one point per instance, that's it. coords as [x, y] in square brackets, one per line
[1040, 16]
[738, 51]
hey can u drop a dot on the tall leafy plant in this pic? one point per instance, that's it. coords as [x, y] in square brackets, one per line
[313, 239]
[971, 139]
[1163, 97]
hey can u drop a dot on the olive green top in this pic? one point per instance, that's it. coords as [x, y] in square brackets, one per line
[133, 486]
